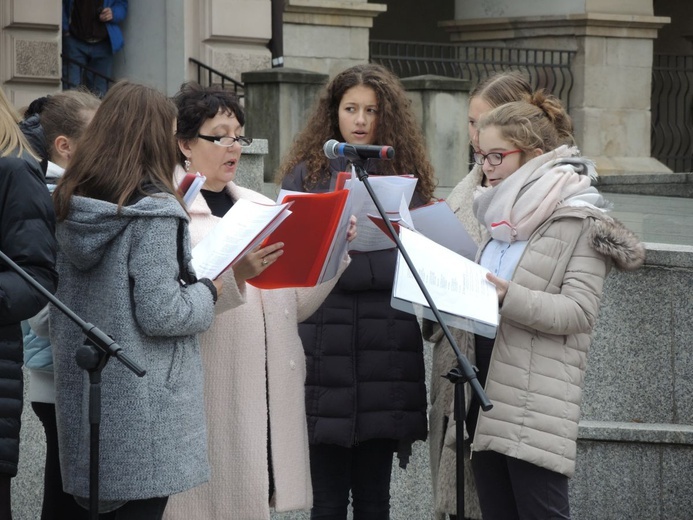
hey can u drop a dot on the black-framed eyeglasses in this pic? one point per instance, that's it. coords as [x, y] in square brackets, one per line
[227, 140]
[493, 158]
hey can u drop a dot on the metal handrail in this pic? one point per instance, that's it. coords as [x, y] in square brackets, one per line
[83, 68]
[546, 68]
[212, 73]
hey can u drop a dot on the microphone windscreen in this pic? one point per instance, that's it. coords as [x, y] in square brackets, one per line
[330, 149]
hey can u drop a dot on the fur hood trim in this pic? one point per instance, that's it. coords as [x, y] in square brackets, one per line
[612, 239]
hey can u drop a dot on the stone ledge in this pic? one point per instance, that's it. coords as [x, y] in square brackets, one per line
[674, 256]
[636, 432]
[257, 147]
[284, 75]
[622, 165]
[658, 184]
[436, 83]
[332, 12]
[587, 24]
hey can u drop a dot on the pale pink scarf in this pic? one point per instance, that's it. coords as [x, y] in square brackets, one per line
[515, 208]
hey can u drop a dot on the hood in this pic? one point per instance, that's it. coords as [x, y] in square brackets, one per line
[93, 224]
[33, 131]
[609, 236]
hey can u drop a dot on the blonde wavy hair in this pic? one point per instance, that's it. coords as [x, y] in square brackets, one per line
[12, 140]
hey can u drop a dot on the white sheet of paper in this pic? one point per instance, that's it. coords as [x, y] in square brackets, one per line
[457, 285]
[389, 189]
[241, 229]
[438, 222]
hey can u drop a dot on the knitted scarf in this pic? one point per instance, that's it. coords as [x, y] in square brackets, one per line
[515, 208]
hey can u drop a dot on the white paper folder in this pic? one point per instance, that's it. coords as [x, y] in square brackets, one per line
[457, 285]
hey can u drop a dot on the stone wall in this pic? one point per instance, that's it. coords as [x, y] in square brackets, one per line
[635, 448]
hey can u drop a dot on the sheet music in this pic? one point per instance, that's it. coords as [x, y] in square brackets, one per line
[390, 189]
[457, 285]
[240, 230]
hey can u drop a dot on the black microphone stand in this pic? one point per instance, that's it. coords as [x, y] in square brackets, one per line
[459, 375]
[92, 357]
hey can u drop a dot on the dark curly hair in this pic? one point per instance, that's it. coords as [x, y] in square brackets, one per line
[396, 127]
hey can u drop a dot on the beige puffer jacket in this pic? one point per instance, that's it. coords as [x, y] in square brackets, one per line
[538, 364]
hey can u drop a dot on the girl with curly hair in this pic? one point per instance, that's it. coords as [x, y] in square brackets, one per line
[365, 384]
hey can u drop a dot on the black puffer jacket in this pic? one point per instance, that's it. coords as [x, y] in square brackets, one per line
[366, 376]
[27, 227]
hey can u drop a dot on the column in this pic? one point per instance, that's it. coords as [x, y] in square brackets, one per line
[440, 105]
[327, 36]
[277, 102]
[612, 69]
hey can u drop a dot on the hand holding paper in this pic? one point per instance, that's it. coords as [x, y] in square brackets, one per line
[314, 237]
[458, 286]
[242, 229]
[390, 189]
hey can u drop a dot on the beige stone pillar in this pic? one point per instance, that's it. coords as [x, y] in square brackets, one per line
[327, 36]
[440, 105]
[232, 35]
[612, 68]
[277, 102]
[30, 49]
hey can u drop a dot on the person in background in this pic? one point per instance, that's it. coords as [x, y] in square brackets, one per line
[62, 118]
[254, 365]
[91, 36]
[551, 246]
[124, 266]
[494, 91]
[27, 225]
[365, 388]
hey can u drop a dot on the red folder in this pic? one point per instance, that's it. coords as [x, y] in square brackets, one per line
[309, 237]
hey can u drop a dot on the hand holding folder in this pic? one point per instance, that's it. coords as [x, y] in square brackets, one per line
[314, 237]
[243, 228]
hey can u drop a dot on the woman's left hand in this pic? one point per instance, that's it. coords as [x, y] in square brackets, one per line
[501, 286]
[351, 232]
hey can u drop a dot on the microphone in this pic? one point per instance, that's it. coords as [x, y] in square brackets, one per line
[334, 149]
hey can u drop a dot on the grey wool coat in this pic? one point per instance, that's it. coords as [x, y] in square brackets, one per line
[120, 271]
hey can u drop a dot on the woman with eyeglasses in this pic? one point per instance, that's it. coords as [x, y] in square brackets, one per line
[254, 364]
[551, 245]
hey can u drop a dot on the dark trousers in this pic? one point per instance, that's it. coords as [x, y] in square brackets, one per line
[148, 509]
[513, 489]
[510, 488]
[5, 501]
[364, 469]
[56, 503]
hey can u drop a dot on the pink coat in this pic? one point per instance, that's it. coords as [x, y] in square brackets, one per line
[253, 329]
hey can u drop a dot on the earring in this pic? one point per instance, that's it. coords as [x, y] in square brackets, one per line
[187, 164]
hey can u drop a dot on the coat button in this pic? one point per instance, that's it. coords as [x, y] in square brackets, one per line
[292, 364]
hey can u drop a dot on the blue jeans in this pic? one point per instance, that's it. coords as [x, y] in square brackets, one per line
[96, 56]
[364, 469]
